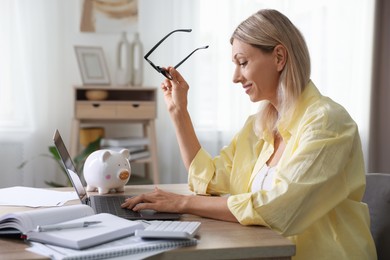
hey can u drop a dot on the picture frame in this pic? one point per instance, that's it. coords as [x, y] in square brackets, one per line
[92, 65]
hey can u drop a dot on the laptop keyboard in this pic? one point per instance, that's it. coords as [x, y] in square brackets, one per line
[112, 204]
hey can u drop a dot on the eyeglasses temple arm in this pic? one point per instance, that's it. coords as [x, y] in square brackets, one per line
[204, 47]
[163, 39]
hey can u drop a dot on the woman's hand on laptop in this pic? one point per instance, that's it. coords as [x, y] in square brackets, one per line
[157, 200]
[205, 206]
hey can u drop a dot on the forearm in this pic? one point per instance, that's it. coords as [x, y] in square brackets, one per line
[188, 141]
[210, 207]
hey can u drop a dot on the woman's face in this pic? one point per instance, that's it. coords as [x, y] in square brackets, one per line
[257, 71]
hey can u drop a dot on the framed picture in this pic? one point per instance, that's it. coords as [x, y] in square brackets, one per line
[92, 65]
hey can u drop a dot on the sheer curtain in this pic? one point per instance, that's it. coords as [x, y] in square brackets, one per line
[30, 95]
[13, 74]
[339, 35]
[15, 120]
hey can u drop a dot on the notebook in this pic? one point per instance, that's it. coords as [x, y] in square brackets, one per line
[103, 203]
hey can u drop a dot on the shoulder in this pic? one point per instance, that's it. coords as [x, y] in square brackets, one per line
[330, 114]
[318, 112]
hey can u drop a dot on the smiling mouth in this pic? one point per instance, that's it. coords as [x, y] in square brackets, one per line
[247, 87]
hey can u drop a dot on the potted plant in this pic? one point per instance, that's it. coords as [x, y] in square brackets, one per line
[78, 161]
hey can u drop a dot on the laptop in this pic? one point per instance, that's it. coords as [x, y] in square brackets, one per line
[103, 203]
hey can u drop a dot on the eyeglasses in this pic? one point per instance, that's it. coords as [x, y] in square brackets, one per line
[162, 70]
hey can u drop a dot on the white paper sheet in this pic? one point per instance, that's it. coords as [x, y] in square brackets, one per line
[34, 197]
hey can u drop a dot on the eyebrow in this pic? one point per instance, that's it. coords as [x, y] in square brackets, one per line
[238, 53]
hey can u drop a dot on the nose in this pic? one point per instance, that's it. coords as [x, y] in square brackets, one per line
[237, 77]
[123, 175]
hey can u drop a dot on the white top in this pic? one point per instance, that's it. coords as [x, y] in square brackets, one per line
[264, 179]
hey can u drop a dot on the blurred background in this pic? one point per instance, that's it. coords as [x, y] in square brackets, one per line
[38, 71]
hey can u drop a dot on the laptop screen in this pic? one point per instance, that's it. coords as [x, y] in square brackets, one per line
[69, 167]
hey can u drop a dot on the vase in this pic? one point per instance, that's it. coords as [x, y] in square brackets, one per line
[137, 61]
[124, 58]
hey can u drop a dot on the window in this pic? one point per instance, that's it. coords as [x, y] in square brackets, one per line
[13, 106]
[339, 36]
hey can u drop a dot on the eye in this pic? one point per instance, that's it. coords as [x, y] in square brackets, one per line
[243, 64]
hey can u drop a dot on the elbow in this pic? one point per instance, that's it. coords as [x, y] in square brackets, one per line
[286, 232]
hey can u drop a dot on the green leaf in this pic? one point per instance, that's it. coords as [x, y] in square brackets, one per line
[20, 166]
[53, 151]
[93, 146]
[54, 184]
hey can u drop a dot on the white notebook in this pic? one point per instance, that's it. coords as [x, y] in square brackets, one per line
[110, 228]
[26, 222]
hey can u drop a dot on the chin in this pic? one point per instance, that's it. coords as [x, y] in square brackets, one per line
[254, 99]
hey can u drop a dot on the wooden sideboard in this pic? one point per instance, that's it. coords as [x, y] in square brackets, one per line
[133, 105]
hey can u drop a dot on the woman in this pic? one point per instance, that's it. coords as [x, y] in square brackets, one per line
[296, 166]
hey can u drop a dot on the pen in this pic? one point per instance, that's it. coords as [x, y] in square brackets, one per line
[66, 226]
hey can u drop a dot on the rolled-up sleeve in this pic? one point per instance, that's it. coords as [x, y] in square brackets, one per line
[230, 171]
[209, 175]
[200, 172]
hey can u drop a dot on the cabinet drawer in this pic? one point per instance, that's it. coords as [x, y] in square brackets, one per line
[136, 110]
[95, 111]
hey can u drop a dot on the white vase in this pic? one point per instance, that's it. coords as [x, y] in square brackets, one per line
[124, 58]
[137, 74]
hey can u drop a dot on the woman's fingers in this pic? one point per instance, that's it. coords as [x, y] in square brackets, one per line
[165, 87]
[175, 90]
[130, 203]
[157, 200]
[146, 200]
[142, 206]
[176, 76]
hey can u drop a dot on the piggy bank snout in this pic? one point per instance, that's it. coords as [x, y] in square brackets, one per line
[123, 175]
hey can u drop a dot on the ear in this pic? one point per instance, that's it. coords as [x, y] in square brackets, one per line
[125, 153]
[105, 155]
[281, 56]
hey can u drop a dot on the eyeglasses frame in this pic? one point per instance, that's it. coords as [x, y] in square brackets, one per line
[162, 70]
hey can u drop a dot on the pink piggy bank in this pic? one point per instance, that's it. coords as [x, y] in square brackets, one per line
[106, 170]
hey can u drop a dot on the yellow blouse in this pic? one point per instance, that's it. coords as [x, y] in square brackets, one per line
[319, 181]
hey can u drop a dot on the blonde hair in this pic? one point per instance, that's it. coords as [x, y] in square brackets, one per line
[264, 30]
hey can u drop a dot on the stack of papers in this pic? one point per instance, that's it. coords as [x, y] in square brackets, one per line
[129, 248]
[124, 142]
[135, 145]
[34, 197]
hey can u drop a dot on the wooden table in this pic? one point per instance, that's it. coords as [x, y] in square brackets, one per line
[217, 239]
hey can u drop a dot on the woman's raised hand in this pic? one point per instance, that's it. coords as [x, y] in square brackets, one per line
[175, 91]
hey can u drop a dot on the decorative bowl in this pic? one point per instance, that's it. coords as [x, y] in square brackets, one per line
[96, 94]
